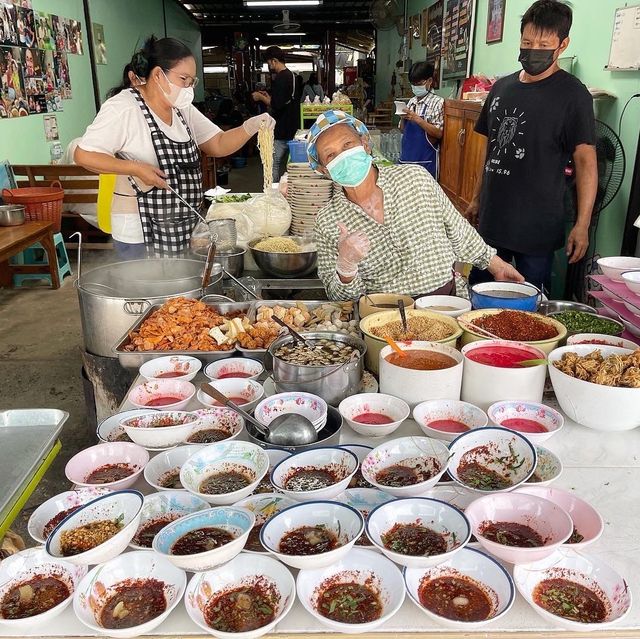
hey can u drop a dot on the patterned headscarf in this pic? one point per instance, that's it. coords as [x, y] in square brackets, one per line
[324, 122]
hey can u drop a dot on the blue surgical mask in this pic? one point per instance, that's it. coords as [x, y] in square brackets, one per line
[419, 91]
[351, 167]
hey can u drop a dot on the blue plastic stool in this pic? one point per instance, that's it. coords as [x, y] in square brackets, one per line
[35, 255]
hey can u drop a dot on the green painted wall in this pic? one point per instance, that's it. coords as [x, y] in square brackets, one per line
[126, 23]
[590, 42]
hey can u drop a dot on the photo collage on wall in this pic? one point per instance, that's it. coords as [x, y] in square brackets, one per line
[34, 64]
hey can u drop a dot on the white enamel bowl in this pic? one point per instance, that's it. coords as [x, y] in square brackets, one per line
[391, 407]
[427, 413]
[165, 462]
[186, 366]
[148, 430]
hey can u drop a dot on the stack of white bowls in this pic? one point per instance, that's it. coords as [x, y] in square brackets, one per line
[311, 406]
[307, 193]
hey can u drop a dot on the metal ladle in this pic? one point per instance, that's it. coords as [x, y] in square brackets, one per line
[285, 430]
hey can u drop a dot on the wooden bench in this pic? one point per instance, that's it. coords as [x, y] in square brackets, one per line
[80, 187]
[14, 239]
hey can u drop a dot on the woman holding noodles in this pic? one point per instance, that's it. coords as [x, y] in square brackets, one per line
[152, 134]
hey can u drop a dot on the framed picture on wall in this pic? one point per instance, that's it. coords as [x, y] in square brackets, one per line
[495, 20]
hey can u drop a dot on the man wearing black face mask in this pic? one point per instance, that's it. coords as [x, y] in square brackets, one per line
[535, 120]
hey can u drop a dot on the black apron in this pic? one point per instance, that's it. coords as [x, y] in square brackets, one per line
[166, 222]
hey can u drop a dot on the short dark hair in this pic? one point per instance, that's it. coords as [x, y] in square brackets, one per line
[421, 71]
[549, 16]
[273, 53]
[164, 53]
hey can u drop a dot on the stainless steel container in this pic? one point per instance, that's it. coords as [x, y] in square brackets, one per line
[286, 265]
[548, 307]
[333, 383]
[113, 297]
[231, 261]
[328, 436]
[12, 215]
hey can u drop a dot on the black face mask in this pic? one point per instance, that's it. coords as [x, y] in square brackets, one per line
[536, 61]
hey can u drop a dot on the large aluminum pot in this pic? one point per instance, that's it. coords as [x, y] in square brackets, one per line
[333, 382]
[114, 296]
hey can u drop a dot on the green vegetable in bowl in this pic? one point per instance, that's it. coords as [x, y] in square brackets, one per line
[232, 198]
[580, 322]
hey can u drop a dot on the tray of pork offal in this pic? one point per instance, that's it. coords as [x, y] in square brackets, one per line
[183, 326]
[26, 435]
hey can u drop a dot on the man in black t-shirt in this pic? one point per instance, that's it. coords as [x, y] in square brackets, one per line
[535, 120]
[284, 102]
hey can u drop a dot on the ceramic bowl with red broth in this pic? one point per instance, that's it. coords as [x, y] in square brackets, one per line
[160, 428]
[244, 598]
[465, 592]
[537, 422]
[215, 424]
[445, 419]
[234, 368]
[165, 394]
[181, 367]
[374, 414]
[355, 594]
[245, 393]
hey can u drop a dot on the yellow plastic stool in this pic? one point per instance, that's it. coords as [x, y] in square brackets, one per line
[106, 189]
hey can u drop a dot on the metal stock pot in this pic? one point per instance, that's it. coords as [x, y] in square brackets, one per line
[113, 297]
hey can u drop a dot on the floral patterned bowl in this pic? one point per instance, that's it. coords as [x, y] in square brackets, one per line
[311, 406]
[546, 417]
[244, 570]
[101, 583]
[163, 508]
[160, 429]
[245, 393]
[27, 564]
[548, 468]
[232, 456]
[585, 570]
[166, 394]
[51, 511]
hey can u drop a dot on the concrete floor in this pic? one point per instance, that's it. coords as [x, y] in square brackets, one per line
[40, 355]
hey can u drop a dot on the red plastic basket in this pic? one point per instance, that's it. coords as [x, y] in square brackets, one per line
[42, 203]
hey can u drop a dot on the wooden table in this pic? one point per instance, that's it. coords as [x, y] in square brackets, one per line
[15, 239]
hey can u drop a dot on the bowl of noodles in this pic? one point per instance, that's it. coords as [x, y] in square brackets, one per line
[423, 325]
[285, 257]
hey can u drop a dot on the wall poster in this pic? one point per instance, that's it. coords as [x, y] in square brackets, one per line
[433, 39]
[457, 39]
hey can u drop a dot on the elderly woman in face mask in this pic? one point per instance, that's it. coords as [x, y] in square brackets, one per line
[388, 229]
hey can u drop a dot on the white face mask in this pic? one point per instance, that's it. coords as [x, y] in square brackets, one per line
[179, 97]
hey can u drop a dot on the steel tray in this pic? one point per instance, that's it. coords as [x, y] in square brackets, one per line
[26, 438]
[133, 360]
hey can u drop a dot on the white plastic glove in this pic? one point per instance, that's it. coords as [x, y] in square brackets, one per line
[252, 125]
[352, 249]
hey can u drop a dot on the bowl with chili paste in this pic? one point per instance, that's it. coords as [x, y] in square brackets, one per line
[537, 422]
[182, 367]
[116, 465]
[445, 419]
[374, 414]
[588, 525]
[165, 394]
[517, 527]
[98, 531]
[574, 591]
[320, 473]
[111, 430]
[263, 506]
[34, 588]
[245, 393]
[355, 594]
[491, 459]
[245, 598]
[312, 535]
[418, 532]
[466, 592]
[48, 515]
[225, 472]
[215, 425]
[161, 509]
[406, 466]
[205, 539]
[234, 367]
[160, 428]
[130, 595]
[163, 471]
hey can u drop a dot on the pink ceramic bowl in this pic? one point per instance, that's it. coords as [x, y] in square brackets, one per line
[80, 466]
[174, 394]
[550, 521]
[586, 519]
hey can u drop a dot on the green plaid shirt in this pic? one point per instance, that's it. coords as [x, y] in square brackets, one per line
[413, 251]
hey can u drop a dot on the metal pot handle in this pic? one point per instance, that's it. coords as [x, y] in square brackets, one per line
[79, 252]
[129, 306]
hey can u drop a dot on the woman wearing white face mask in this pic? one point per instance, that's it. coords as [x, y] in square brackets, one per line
[423, 121]
[152, 134]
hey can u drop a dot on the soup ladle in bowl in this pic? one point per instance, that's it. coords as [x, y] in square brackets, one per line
[285, 430]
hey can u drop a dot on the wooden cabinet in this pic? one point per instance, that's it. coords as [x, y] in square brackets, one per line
[463, 152]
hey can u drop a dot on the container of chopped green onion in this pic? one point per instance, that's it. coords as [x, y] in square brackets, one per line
[580, 322]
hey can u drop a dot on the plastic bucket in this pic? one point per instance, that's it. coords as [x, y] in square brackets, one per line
[297, 151]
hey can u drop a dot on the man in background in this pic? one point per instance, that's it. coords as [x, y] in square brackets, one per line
[284, 103]
[535, 120]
